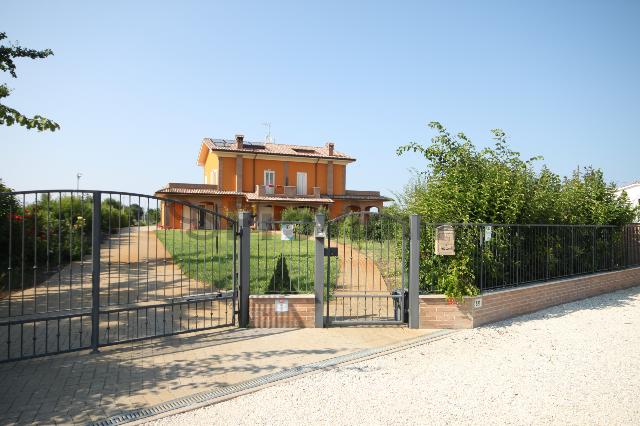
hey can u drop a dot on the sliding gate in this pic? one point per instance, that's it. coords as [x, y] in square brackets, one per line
[85, 269]
[366, 261]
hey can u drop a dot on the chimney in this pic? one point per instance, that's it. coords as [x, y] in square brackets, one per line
[330, 146]
[239, 141]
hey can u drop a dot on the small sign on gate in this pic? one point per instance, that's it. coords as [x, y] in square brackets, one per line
[282, 305]
[286, 232]
[331, 251]
[488, 230]
[445, 240]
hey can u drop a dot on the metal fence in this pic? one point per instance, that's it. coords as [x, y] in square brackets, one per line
[493, 256]
[366, 269]
[282, 257]
[84, 269]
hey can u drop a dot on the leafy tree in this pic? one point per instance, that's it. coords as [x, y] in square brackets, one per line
[152, 216]
[8, 115]
[495, 185]
[137, 212]
[8, 207]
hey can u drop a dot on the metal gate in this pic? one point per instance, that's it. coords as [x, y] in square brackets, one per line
[85, 269]
[366, 261]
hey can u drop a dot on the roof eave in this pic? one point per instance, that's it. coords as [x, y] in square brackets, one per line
[277, 154]
[202, 155]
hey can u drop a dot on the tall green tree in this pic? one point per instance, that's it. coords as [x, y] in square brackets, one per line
[495, 185]
[10, 116]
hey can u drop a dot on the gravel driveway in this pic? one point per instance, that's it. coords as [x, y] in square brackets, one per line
[577, 363]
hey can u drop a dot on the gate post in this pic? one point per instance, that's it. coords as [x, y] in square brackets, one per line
[414, 269]
[96, 219]
[318, 275]
[244, 222]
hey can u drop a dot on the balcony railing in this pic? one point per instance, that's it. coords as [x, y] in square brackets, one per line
[284, 191]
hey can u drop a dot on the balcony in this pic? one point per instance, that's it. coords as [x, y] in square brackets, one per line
[281, 191]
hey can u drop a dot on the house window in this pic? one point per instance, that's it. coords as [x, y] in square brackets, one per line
[213, 180]
[301, 183]
[269, 181]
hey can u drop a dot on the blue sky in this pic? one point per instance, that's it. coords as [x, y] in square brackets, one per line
[137, 85]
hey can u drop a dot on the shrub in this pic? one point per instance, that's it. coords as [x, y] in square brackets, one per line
[495, 185]
[280, 280]
[305, 214]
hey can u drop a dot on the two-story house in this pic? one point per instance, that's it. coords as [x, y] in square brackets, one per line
[265, 178]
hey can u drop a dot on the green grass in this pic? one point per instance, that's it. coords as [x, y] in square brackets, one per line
[207, 256]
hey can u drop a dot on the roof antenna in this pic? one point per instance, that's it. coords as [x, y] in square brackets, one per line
[268, 126]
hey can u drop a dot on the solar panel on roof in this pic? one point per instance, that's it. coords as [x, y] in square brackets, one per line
[253, 145]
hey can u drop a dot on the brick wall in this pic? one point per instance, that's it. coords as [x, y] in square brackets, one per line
[436, 312]
[300, 313]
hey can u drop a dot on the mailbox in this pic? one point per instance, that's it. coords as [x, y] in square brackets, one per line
[331, 251]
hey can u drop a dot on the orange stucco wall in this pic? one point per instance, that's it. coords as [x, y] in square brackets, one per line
[339, 179]
[210, 164]
[228, 178]
[253, 173]
[321, 179]
[262, 165]
[227, 205]
[247, 175]
[171, 215]
[335, 209]
[308, 168]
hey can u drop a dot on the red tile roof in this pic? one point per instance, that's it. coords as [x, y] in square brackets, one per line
[362, 195]
[276, 149]
[194, 188]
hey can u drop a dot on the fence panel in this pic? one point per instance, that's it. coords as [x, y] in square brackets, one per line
[494, 256]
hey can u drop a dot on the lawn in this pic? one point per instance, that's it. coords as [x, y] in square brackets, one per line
[276, 266]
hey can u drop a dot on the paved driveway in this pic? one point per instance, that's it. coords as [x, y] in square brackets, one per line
[79, 387]
[135, 270]
[577, 363]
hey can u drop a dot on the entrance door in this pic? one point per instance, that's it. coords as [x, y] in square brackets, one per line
[367, 273]
[265, 218]
[301, 183]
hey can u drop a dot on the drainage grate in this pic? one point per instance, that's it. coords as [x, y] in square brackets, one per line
[203, 397]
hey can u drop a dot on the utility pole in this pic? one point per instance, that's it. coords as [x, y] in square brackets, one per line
[78, 176]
